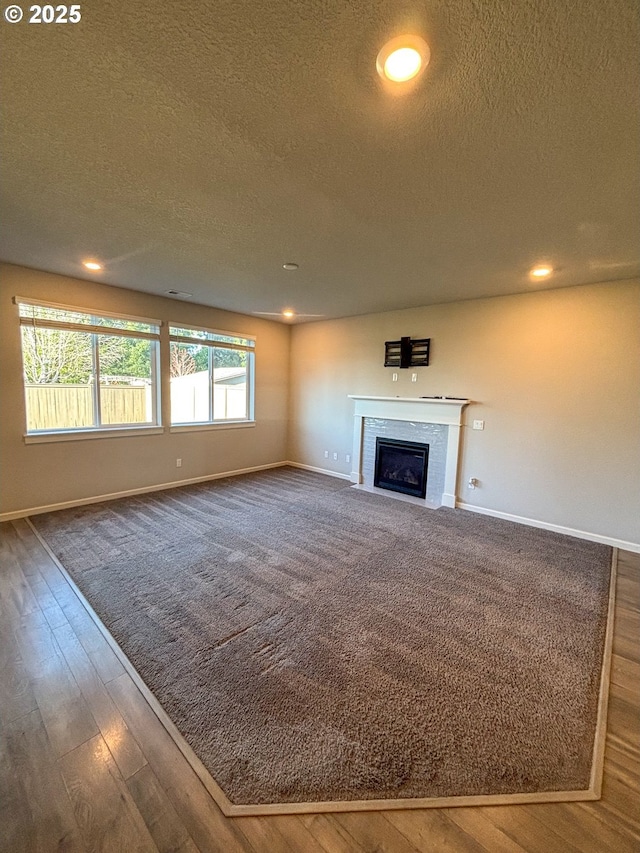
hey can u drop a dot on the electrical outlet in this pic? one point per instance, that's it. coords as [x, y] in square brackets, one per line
[326, 454]
[335, 457]
[178, 463]
[414, 377]
[394, 378]
[473, 483]
[347, 458]
[478, 424]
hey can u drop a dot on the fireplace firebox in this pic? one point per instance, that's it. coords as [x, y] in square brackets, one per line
[401, 466]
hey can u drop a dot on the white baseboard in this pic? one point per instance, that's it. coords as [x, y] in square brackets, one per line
[557, 528]
[318, 470]
[531, 522]
[38, 510]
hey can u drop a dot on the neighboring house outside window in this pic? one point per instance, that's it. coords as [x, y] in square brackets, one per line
[86, 372]
[212, 377]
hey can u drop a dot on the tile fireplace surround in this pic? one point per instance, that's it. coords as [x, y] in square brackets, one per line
[433, 421]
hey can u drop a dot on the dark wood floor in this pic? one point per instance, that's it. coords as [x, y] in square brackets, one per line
[86, 766]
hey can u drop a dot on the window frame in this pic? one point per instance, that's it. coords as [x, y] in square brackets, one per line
[95, 330]
[239, 343]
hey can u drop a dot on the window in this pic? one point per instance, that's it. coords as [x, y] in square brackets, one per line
[211, 377]
[84, 371]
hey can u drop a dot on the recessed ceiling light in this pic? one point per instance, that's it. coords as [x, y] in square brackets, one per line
[94, 266]
[289, 266]
[403, 59]
[541, 272]
[288, 313]
[179, 294]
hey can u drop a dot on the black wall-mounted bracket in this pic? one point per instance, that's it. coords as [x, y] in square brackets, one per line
[407, 353]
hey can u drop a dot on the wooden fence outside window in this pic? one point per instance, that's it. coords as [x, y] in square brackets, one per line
[71, 406]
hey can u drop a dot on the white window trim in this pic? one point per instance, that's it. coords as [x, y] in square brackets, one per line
[225, 334]
[199, 427]
[105, 331]
[110, 430]
[97, 432]
[250, 374]
[94, 312]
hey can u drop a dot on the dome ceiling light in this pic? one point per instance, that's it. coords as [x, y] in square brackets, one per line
[403, 59]
[541, 272]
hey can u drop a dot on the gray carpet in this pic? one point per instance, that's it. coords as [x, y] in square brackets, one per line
[315, 642]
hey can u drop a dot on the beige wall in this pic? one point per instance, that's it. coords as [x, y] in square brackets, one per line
[556, 377]
[37, 475]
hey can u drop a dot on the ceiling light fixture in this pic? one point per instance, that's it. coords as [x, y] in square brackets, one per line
[541, 272]
[403, 59]
[94, 266]
[288, 313]
[289, 266]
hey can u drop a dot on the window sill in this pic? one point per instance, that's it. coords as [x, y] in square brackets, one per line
[219, 425]
[82, 435]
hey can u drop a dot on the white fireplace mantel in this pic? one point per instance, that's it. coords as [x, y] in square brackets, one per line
[427, 410]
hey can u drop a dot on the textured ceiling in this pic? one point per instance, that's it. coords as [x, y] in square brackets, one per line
[198, 146]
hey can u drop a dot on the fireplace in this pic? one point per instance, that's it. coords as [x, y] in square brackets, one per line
[434, 421]
[401, 466]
